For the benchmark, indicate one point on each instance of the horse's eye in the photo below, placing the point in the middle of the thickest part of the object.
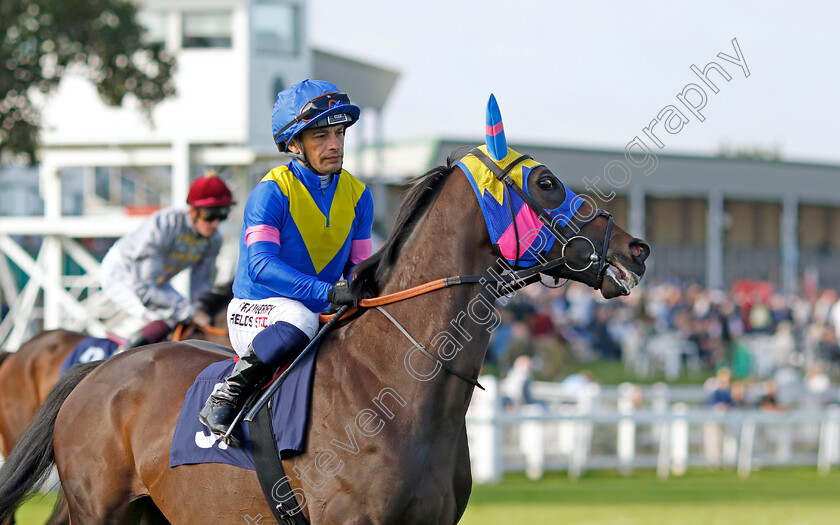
(546, 183)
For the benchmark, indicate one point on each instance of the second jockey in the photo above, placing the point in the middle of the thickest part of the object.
(136, 271)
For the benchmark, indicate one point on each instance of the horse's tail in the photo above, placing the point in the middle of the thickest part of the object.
(30, 461)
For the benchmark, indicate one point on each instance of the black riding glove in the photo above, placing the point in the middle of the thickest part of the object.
(340, 294)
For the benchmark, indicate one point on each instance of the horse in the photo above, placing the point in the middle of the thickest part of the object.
(386, 439)
(28, 375)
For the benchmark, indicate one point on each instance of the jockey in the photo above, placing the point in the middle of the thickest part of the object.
(306, 225)
(136, 271)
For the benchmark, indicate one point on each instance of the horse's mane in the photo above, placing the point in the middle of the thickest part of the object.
(421, 192)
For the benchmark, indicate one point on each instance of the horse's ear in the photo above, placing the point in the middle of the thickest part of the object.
(495, 131)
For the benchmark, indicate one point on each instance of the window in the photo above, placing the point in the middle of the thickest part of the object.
(154, 22)
(275, 28)
(102, 183)
(208, 29)
(72, 193)
(127, 191)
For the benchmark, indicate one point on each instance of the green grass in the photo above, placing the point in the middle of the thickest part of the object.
(608, 372)
(767, 497)
(613, 373)
(36, 510)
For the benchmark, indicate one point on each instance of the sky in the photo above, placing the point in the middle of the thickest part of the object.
(595, 74)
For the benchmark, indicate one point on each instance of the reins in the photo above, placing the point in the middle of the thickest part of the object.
(184, 330)
(506, 284)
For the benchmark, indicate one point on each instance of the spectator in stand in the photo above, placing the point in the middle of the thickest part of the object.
(500, 338)
(784, 344)
(577, 382)
(828, 349)
(768, 401)
(516, 386)
(738, 394)
(817, 386)
(727, 327)
(720, 397)
(602, 338)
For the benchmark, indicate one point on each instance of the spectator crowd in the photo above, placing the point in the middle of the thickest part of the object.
(740, 337)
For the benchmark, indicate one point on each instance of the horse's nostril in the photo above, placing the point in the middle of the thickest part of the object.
(640, 250)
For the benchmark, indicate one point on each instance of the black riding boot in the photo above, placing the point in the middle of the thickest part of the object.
(227, 399)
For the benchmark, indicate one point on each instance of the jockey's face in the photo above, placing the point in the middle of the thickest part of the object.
(205, 225)
(322, 147)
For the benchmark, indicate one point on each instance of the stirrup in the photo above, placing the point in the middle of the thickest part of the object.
(227, 435)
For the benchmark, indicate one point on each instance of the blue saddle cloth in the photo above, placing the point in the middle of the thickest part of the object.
(192, 443)
(89, 349)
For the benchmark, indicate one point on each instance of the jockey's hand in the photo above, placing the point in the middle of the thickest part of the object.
(340, 294)
(202, 318)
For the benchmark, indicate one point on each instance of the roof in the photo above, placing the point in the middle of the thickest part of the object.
(672, 175)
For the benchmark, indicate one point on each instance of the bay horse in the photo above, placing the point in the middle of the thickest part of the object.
(28, 375)
(386, 438)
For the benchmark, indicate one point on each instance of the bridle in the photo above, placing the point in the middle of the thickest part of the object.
(551, 224)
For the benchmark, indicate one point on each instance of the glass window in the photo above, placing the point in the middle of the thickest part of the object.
(155, 24)
(72, 190)
(152, 197)
(127, 191)
(102, 183)
(275, 28)
(208, 29)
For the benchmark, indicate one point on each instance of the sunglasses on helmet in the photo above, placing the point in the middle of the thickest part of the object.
(315, 107)
(213, 214)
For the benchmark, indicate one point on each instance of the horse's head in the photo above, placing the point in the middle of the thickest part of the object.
(534, 220)
(597, 252)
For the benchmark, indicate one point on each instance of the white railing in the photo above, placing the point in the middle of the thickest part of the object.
(581, 436)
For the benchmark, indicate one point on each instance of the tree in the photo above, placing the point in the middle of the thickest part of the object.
(42, 40)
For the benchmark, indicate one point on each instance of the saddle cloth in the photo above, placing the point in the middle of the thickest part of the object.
(192, 442)
(89, 349)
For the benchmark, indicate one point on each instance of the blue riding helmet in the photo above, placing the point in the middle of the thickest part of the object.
(311, 103)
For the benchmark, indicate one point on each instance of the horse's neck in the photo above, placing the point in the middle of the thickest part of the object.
(449, 240)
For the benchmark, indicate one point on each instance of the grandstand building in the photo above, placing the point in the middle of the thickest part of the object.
(709, 220)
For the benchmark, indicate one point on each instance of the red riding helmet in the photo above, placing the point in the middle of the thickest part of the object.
(209, 191)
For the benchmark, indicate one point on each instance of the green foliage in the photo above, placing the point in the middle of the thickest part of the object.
(44, 39)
